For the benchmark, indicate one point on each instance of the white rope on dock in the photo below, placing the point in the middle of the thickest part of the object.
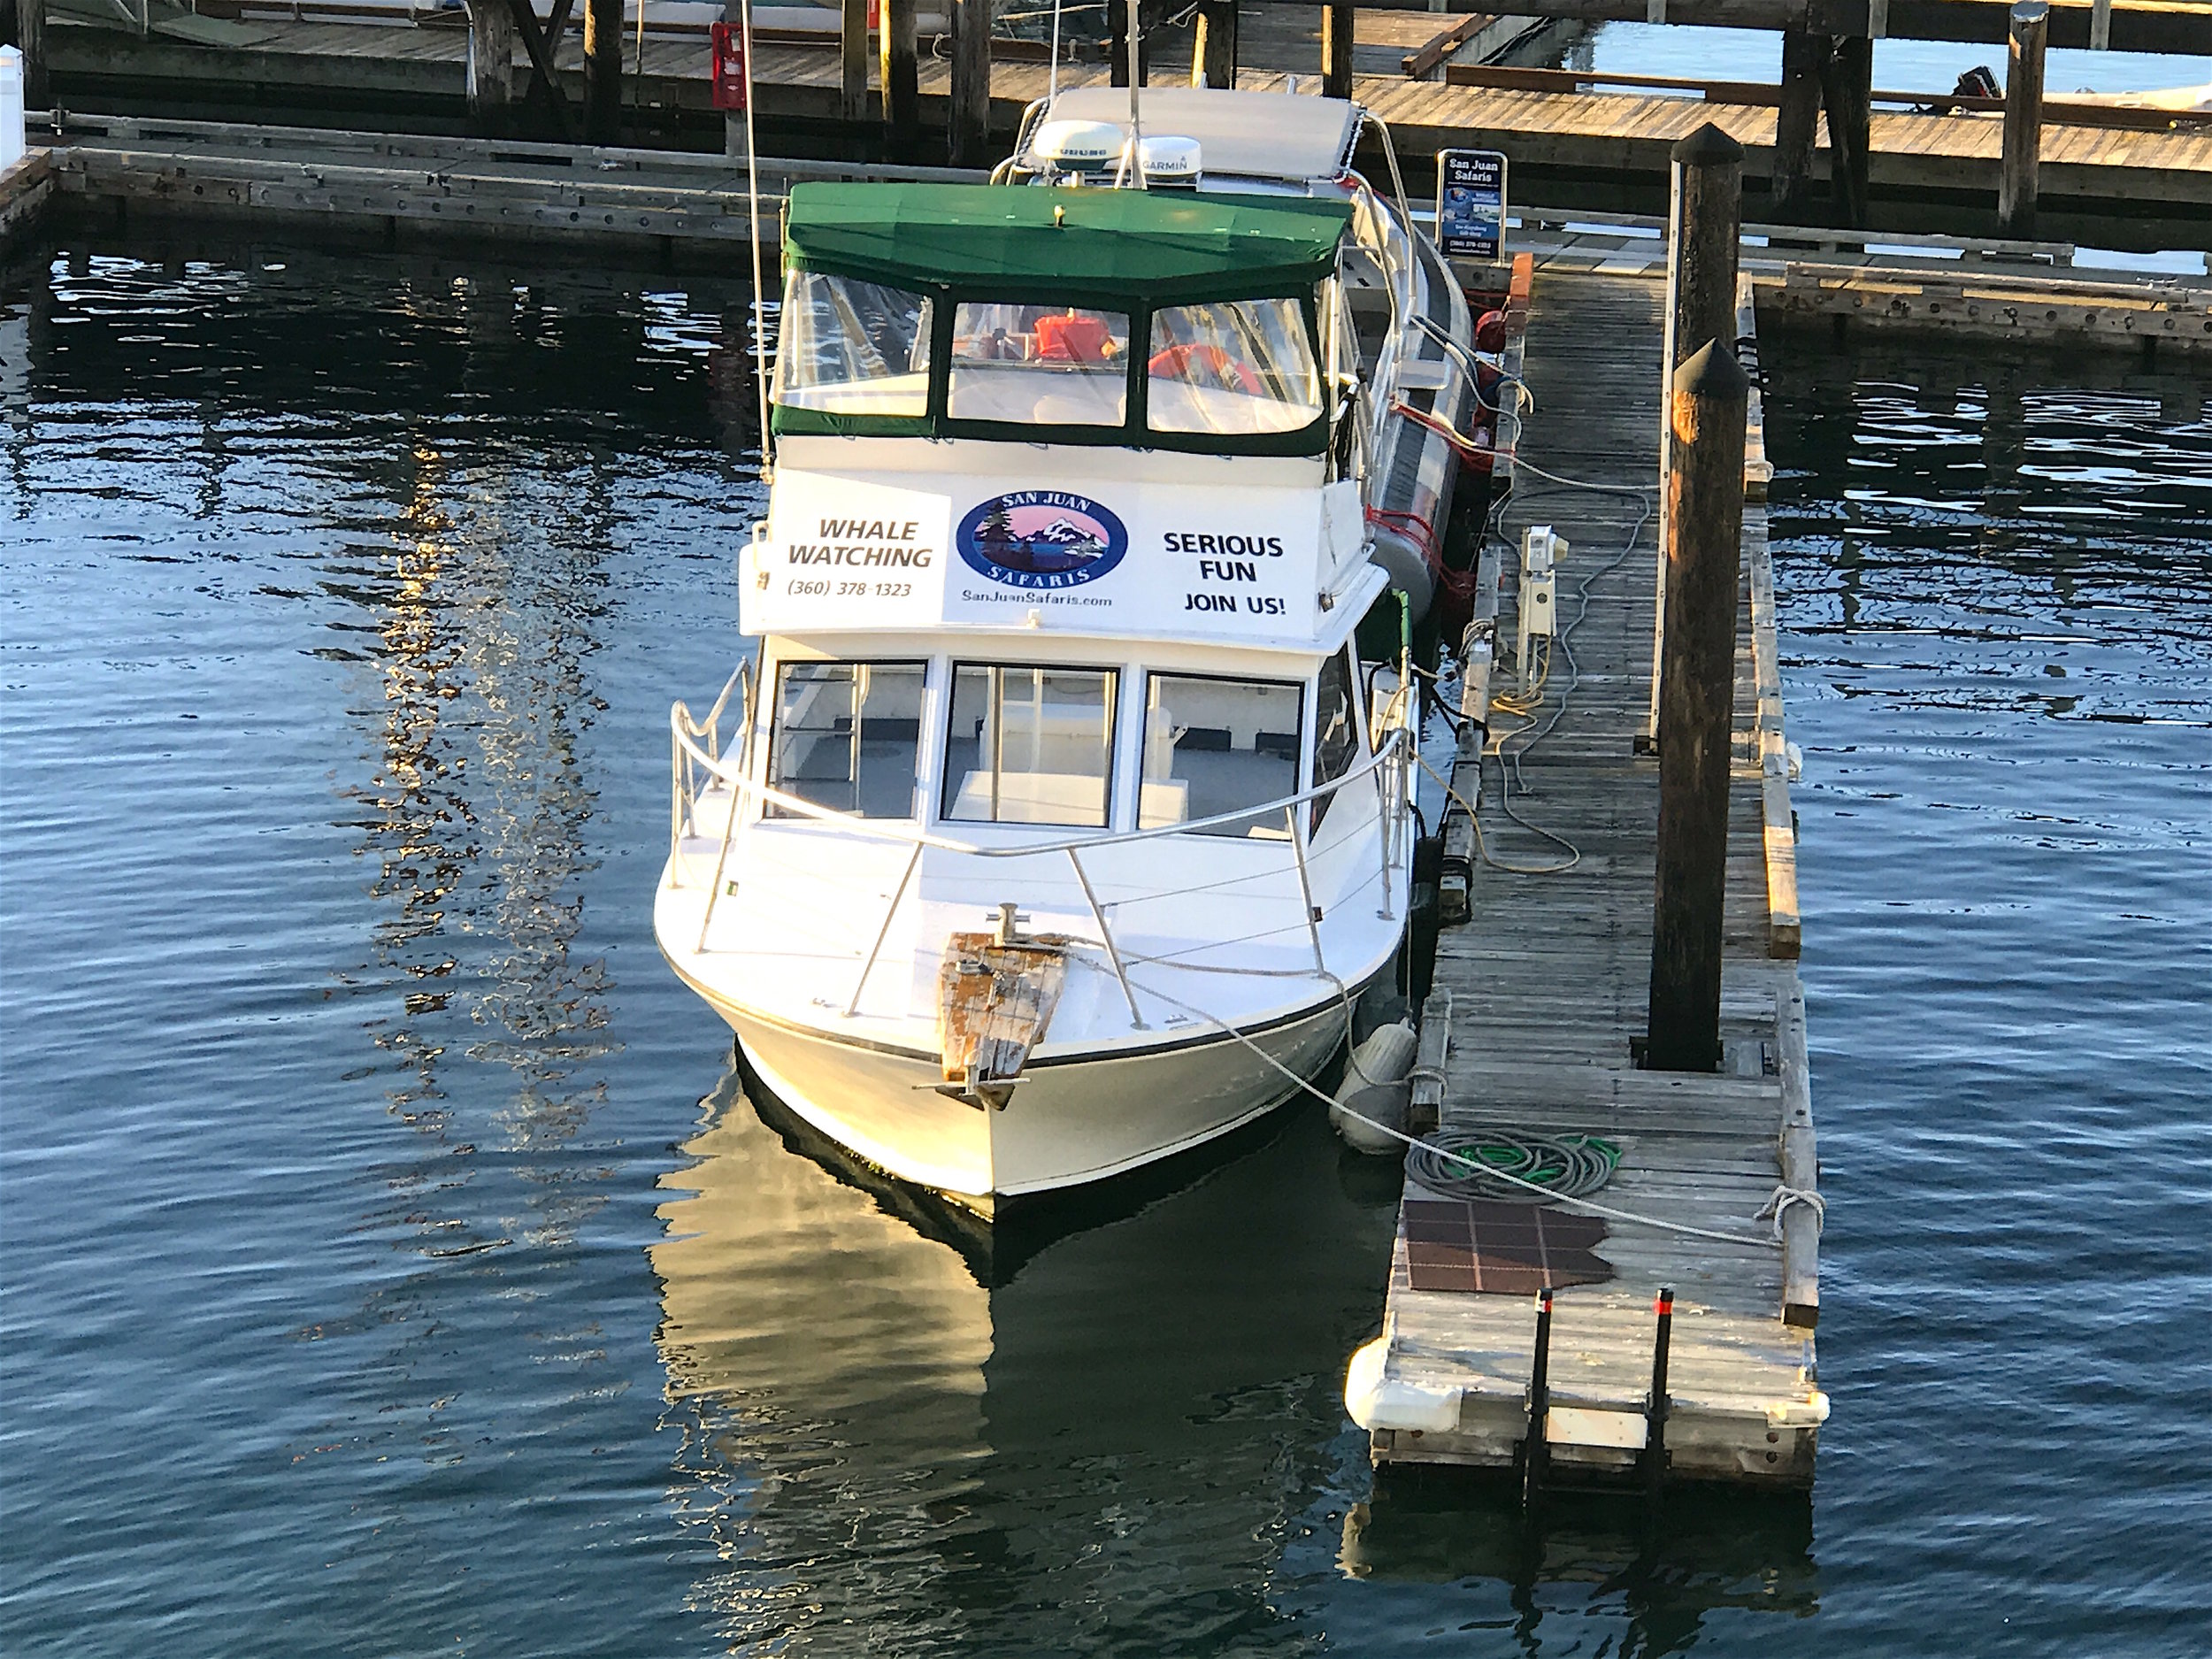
(1782, 1197)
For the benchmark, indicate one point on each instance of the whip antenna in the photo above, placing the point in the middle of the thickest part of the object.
(1052, 79)
(752, 183)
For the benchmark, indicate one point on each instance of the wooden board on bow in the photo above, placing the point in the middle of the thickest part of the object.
(994, 1002)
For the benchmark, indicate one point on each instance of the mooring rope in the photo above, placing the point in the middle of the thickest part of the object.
(1590, 1205)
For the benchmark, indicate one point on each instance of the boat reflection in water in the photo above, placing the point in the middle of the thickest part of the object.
(1121, 1428)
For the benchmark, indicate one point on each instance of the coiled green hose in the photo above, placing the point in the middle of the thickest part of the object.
(1564, 1166)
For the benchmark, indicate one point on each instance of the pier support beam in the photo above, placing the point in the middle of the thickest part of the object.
(965, 133)
(491, 83)
(603, 71)
(1336, 50)
(1697, 684)
(902, 84)
(29, 37)
(1213, 60)
(852, 61)
(1704, 230)
(1797, 124)
(1847, 89)
(2023, 119)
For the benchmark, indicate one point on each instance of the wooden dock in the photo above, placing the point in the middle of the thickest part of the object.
(1544, 988)
(1606, 149)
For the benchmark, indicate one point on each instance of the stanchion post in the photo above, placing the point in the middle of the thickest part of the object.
(2023, 119)
(902, 78)
(1655, 1413)
(965, 133)
(1534, 1453)
(1704, 229)
(1697, 683)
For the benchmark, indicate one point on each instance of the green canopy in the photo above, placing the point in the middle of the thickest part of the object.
(1166, 247)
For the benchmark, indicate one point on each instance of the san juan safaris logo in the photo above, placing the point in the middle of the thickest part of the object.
(1041, 539)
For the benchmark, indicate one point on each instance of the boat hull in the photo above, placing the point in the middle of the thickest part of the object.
(1072, 1119)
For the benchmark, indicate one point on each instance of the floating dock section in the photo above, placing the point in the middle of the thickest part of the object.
(1541, 992)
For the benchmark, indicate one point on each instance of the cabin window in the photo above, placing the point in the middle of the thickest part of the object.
(1236, 366)
(852, 348)
(1038, 365)
(1335, 727)
(846, 737)
(1030, 745)
(1212, 746)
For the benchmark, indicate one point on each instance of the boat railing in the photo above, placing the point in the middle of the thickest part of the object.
(695, 756)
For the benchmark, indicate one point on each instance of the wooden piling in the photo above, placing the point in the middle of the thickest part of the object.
(2023, 119)
(852, 61)
(969, 117)
(1213, 60)
(1129, 45)
(1805, 55)
(1697, 683)
(1848, 90)
(603, 71)
(30, 40)
(1336, 50)
(900, 73)
(491, 82)
(1704, 228)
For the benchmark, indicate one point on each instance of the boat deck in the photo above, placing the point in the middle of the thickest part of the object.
(1545, 985)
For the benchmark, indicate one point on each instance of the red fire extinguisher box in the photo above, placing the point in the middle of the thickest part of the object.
(729, 66)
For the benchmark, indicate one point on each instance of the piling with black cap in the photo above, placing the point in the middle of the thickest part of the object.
(1533, 1454)
(1697, 686)
(1655, 1412)
(1704, 227)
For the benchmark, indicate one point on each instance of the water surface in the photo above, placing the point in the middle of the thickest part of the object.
(391, 1264)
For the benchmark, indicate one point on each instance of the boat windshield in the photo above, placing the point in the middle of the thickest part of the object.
(1211, 746)
(1045, 366)
(852, 348)
(1233, 366)
(846, 736)
(1030, 745)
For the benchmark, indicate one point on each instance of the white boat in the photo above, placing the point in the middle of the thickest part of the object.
(1067, 812)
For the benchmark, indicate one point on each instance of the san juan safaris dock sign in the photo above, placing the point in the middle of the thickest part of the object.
(1041, 539)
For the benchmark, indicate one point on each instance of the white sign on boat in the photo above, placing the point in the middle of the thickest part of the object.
(1230, 565)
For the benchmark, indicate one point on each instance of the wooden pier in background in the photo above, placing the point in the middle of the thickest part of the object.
(1543, 989)
(1819, 148)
